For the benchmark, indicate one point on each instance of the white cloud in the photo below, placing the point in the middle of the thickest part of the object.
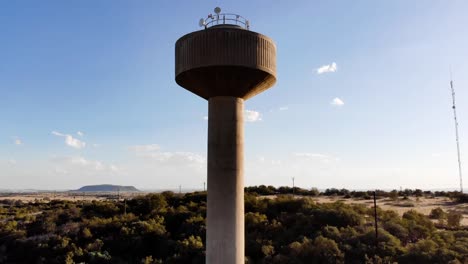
(114, 168)
(205, 118)
(79, 133)
(283, 108)
(74, 143)
(337, 102)
(327, 68)
(70, 140)
(252, 116)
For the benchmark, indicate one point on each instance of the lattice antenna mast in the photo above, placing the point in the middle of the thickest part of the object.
(456, 133)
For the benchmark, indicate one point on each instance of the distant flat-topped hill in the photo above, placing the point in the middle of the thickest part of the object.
(107, 188)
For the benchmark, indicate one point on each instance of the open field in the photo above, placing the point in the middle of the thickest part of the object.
(422, 205)
(68, 196)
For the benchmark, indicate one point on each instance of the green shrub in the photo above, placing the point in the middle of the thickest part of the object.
(454, 218)
(437, 213)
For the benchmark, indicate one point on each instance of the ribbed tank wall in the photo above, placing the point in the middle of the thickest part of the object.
(225, 47)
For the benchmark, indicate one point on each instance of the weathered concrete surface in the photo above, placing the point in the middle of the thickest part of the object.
(225, 212)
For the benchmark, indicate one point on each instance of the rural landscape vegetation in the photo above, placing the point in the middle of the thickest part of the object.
(309, 226)
(369, 97)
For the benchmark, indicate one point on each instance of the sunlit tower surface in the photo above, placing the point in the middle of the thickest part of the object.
(226, 64)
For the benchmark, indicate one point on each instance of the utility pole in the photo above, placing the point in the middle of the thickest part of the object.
(293, 186)
(376, 227)
(204, 184)
(180, 189)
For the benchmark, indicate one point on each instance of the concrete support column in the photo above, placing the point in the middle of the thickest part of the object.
(225, 212)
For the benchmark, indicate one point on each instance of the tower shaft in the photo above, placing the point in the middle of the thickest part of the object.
(225, 212)
(456, 136)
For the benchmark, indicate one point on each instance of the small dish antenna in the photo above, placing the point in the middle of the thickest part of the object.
(217, 10)
(201, 23)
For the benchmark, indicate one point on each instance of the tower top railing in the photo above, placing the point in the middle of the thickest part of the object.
(224, 19)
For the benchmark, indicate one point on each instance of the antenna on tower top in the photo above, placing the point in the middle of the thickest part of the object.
(456, 131)
(201, 23)
(224, 19)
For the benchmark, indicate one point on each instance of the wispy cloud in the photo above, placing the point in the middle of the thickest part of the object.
(337, 102)
(78, 163)
(55, 133)
(79, 133)
(144, 148)
(153, 151)
(316, 156)
(17, 141)
(283, 108)
(252, 116)
(327, 68)
(70, 140)
(154, 162)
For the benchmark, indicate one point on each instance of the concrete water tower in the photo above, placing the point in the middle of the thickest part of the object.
(225, 63)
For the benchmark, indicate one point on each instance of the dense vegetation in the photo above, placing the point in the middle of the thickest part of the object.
(170, 228)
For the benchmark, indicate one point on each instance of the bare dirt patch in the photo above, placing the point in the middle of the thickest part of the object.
(422, 205)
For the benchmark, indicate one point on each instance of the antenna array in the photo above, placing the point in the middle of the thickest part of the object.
(456, 135)
(227, 18)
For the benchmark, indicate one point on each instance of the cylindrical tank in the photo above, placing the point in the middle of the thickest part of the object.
(225, 61)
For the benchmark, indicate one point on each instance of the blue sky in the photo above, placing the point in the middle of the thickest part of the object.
(106, 69)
